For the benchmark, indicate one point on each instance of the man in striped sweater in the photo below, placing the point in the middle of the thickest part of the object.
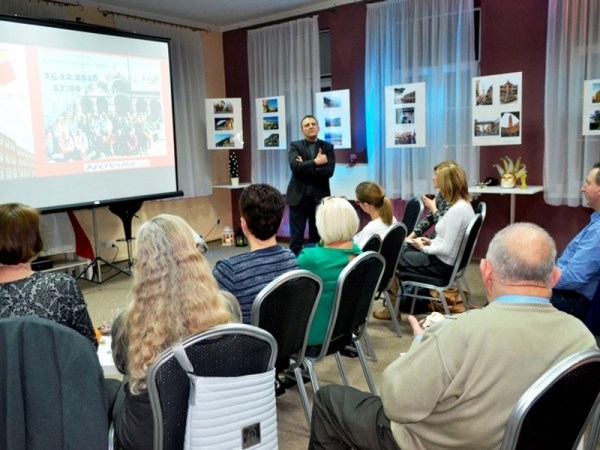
(261, 210)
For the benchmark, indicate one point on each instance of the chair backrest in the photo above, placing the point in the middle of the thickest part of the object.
(354, 293)
(47, 371)
(468, 243)
(412, 212)
(481, 208)
(373, 244)
(285, 308)
(554, 411)
(390, 250)
(231, 350)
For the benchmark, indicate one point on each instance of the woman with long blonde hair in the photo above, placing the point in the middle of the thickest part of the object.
(437, 256)
(173, 296)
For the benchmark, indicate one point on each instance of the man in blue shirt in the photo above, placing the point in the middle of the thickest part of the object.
(244, 275)
(580, 262)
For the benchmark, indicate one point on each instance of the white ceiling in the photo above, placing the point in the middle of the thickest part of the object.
(219, 15)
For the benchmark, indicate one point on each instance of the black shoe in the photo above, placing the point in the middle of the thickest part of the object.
(279, 387)
(349, 351)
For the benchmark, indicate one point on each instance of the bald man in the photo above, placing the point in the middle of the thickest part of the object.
(458, 383)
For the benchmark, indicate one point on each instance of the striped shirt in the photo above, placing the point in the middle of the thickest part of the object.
(246, 274)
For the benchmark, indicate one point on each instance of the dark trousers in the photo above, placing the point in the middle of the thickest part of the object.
(299, 215)
(344, 418)
(571, 302)
(412, 260)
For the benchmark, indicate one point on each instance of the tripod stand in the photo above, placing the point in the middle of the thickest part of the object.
(98, 259)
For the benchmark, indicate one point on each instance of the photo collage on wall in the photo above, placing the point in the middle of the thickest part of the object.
(405, 115)
(333, 114)
(270, 123)
(224, 123)
(591, 108)
(496, 106)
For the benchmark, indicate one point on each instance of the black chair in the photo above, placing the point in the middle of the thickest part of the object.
(555, 410)
(481, 209)
(355, 290)
(414, 284)
(285, 308)
(412, 213)
(461, 279)
(390, 250)
(53, 389)
(373, 244)
(232, 350)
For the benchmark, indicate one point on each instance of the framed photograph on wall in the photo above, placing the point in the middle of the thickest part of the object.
(496, 109)
(333, 113)
(270, 123)
(591, 108)
(405, 115)
(224, 123)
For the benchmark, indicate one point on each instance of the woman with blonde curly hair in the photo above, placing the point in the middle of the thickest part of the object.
(173, 296)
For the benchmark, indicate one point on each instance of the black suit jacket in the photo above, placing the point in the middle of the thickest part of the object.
(307, 172)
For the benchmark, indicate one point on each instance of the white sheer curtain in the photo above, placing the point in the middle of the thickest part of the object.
(189, 92)
(282, 60)
(572, 56)
(34, 9)
(411, 41)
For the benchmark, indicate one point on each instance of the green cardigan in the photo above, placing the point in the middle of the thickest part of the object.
(327, 263)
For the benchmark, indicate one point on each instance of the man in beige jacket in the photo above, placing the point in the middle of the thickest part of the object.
(456, 386)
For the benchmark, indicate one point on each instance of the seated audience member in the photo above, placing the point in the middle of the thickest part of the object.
(371, 198)
(173, 296)
(23, 292)
(580, 261)
(337, 222)
(437, 206)
(261, 211)
(437, 256)
(461, 378)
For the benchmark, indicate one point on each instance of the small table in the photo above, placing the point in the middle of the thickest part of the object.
(106, 359)
(517, 190)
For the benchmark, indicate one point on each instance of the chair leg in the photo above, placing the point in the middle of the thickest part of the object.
(461, 291)
(593, 437)
(365, 367)
(310, 368)
(340, 364)
(393, 313)
(303, 396)
(370, 351)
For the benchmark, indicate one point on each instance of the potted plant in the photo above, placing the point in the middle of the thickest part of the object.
(234, 169)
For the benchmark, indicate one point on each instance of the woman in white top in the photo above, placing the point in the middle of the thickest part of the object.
(371, 198)
(436, 256)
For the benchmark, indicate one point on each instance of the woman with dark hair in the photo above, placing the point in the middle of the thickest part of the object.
(371, 198)
(23, 292)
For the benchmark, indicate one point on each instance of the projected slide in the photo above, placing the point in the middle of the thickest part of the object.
(85, 108)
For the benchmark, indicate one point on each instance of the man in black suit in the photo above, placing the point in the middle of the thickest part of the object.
(312, 162)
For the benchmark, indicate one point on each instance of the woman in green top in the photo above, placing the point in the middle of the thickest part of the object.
(337, 223)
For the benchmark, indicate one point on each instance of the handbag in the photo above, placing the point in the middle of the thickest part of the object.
(229, 413)
(453, 299)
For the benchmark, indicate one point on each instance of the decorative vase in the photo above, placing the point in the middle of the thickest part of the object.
(234, 169)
